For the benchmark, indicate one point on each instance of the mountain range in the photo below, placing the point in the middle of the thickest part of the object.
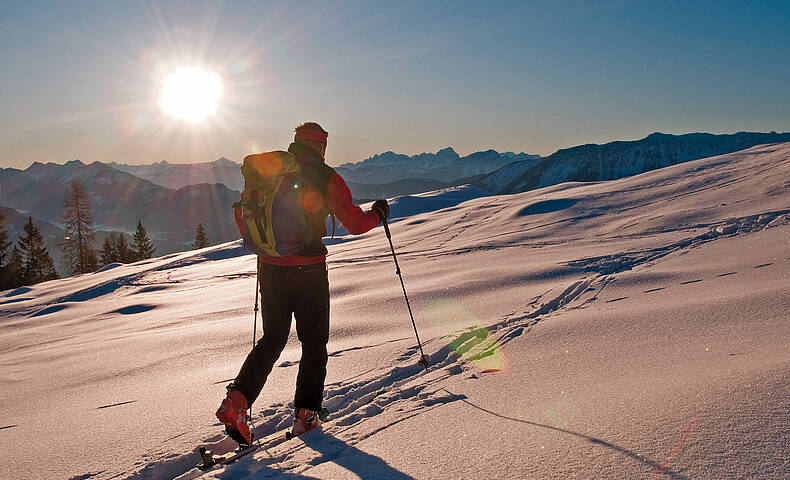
(610, 161)
(180, 175)
(443, 166)
(119, 199)
(384, 175)
(171, 199)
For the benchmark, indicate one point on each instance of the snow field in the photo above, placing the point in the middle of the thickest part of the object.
(627, 329)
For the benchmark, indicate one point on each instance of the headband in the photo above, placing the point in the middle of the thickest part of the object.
(310, 134)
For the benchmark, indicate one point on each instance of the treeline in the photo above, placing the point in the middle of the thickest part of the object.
(29, 261)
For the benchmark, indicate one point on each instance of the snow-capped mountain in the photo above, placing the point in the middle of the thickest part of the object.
(180, 175)
(588, 163)
(383, 175)
(363, 191)
(445, 166)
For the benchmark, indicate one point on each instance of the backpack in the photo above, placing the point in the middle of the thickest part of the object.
(284, 205)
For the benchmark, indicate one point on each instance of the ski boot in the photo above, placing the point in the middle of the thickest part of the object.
(304, 420)
(233, 413)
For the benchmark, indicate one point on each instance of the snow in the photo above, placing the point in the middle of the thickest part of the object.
(628, 329)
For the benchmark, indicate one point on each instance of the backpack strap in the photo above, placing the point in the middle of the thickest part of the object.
(263, 175)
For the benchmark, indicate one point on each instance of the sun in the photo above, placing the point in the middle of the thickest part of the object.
(191, 94)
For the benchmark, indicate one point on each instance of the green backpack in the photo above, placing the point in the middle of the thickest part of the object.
(283, 209)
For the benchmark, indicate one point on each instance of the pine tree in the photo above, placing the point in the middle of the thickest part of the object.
(48, 271)
(5, 263)
(4, 243)
(108, 252)
(12, 274)
(201, 240)
(141, 246)
(37, 264)
(122, 249)
(79, 239)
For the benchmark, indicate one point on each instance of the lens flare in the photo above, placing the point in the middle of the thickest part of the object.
(475, 344)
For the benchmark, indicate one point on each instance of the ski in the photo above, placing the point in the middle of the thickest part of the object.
(210, 460)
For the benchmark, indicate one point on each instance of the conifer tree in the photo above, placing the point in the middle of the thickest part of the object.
(108, 252)
(122, 249)
(4, 243)
(37, 264)
(5, 274)
(48, 270)
(79, 239)
(12, 274)
(141, 246)
(201, 239)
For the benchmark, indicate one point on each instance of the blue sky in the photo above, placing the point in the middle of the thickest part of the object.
(79, 79)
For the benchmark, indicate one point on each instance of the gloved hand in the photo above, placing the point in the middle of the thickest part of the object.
(381, 207)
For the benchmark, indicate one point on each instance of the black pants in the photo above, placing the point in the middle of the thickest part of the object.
(303, 292)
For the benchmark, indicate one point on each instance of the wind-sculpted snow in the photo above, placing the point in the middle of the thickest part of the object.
(619, 159)
(627, 329)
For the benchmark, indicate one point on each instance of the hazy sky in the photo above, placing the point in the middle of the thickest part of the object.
(80, 79)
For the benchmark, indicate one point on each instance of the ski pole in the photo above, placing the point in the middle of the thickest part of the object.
(255, 310)
(255, 316)
(423, 359)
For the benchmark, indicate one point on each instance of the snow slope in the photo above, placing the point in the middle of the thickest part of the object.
(629, 329)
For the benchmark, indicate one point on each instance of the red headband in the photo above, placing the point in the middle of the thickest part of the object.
(310, 134)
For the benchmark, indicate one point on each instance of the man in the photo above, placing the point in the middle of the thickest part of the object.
(293, 278)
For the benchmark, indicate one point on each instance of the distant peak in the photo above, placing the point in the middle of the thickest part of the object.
(74, 163)
(658, 135)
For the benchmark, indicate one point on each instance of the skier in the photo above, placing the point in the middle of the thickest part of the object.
(293, 275)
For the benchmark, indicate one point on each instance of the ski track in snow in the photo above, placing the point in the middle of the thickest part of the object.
(405, 389)
(402, 390)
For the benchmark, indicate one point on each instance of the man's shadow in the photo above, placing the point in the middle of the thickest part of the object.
(362, 464)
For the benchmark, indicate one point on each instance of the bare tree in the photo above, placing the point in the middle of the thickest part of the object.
(79, 238)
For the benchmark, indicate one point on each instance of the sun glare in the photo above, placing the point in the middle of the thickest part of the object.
(191, 94)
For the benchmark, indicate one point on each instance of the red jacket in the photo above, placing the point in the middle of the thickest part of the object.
(351, 216)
